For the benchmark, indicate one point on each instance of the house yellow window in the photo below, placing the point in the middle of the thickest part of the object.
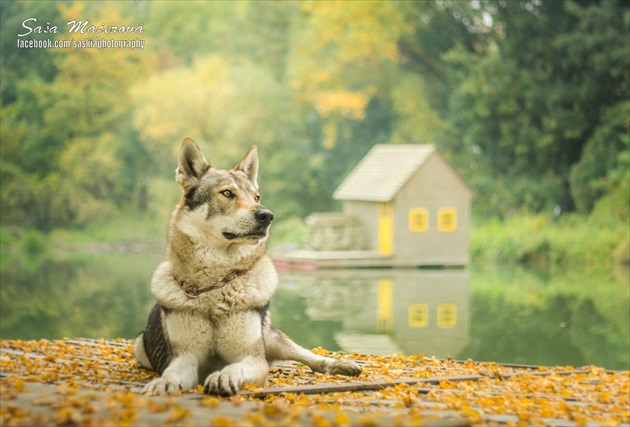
(418, 315)
(447, 219)
(446, 315)
(418, 220)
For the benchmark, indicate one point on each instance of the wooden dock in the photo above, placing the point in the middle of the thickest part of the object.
(95, 382)
(306, 260)
(309, 260)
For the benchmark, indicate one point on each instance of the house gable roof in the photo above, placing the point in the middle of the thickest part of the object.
(383, 172)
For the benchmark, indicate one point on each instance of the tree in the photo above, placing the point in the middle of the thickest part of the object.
(62, 137)
(532, 99)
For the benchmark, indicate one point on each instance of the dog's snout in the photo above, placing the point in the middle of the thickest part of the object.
(264, 216)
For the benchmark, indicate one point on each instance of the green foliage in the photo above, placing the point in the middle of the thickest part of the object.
(529, 100)
(18, 65)
(604, 164)
(33, 243)
(63, 130)
(544, 98)
(539, 240)
(290, 230)
(7, 239)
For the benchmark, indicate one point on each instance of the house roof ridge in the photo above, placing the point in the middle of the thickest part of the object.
(383, 171)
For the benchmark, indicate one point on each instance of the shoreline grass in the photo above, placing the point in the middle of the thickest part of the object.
(541, 240)
(536, 241)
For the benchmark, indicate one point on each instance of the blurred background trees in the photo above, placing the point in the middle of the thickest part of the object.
(528, 99)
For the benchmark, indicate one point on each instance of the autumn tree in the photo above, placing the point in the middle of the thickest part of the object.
(65, 138)
(528, 99)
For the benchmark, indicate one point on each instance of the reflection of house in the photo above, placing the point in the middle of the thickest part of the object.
(414, 207)
(393, 311)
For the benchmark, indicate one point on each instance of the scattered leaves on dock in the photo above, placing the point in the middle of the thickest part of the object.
(98, 382)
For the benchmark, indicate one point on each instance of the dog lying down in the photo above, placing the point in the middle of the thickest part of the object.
(211, 322)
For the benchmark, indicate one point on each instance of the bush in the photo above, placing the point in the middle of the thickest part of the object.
(33, 243)
(539, 240)
(290, 230)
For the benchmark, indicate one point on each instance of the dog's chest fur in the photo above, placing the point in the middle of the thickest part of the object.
(204, 325)
(253, 289)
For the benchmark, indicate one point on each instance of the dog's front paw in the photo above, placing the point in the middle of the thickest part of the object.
(349, 368)
(160, 386)
(221, 383)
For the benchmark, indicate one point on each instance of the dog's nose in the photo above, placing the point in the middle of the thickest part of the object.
(264, 216)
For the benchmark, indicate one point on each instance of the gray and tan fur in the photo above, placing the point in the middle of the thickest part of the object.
(223, 337)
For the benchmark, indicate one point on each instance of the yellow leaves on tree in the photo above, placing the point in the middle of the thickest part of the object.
(345, 56)
(222, 105)
(342, 101)
(359, 32)
(85, 110)
(184, 101)
(340, 55)
(91, 83)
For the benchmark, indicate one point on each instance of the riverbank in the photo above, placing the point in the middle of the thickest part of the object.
(537, 241)
(544, 241)
(598, 239)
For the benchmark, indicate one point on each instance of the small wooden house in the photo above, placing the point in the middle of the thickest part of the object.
(415, 209)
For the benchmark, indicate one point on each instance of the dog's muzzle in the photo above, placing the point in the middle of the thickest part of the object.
(263, 219)
(264, 216)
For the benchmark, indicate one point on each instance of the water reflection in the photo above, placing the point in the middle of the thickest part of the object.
(98, 296)
(575, 317)
(511, 315)
(390, 311)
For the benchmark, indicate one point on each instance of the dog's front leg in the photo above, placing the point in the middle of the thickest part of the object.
(181, 374)
(229, 380)
(239, 343)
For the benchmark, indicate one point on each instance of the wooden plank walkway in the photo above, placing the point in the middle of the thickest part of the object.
(310, 260)
(391, 389)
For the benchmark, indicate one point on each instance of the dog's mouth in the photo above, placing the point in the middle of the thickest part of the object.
(246, 236)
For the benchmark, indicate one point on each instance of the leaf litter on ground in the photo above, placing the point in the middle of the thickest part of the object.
(99, 381)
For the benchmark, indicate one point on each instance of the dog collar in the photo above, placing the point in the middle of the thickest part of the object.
(192, 291)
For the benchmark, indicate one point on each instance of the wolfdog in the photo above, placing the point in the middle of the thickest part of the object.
(211, 322)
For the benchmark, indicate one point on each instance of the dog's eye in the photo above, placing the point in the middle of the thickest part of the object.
(227, 193)
(257, 198)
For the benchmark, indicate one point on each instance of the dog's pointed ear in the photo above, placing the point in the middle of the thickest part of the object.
(191, 164)
(249, 165)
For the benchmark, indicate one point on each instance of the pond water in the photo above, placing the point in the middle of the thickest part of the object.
(510, 315)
